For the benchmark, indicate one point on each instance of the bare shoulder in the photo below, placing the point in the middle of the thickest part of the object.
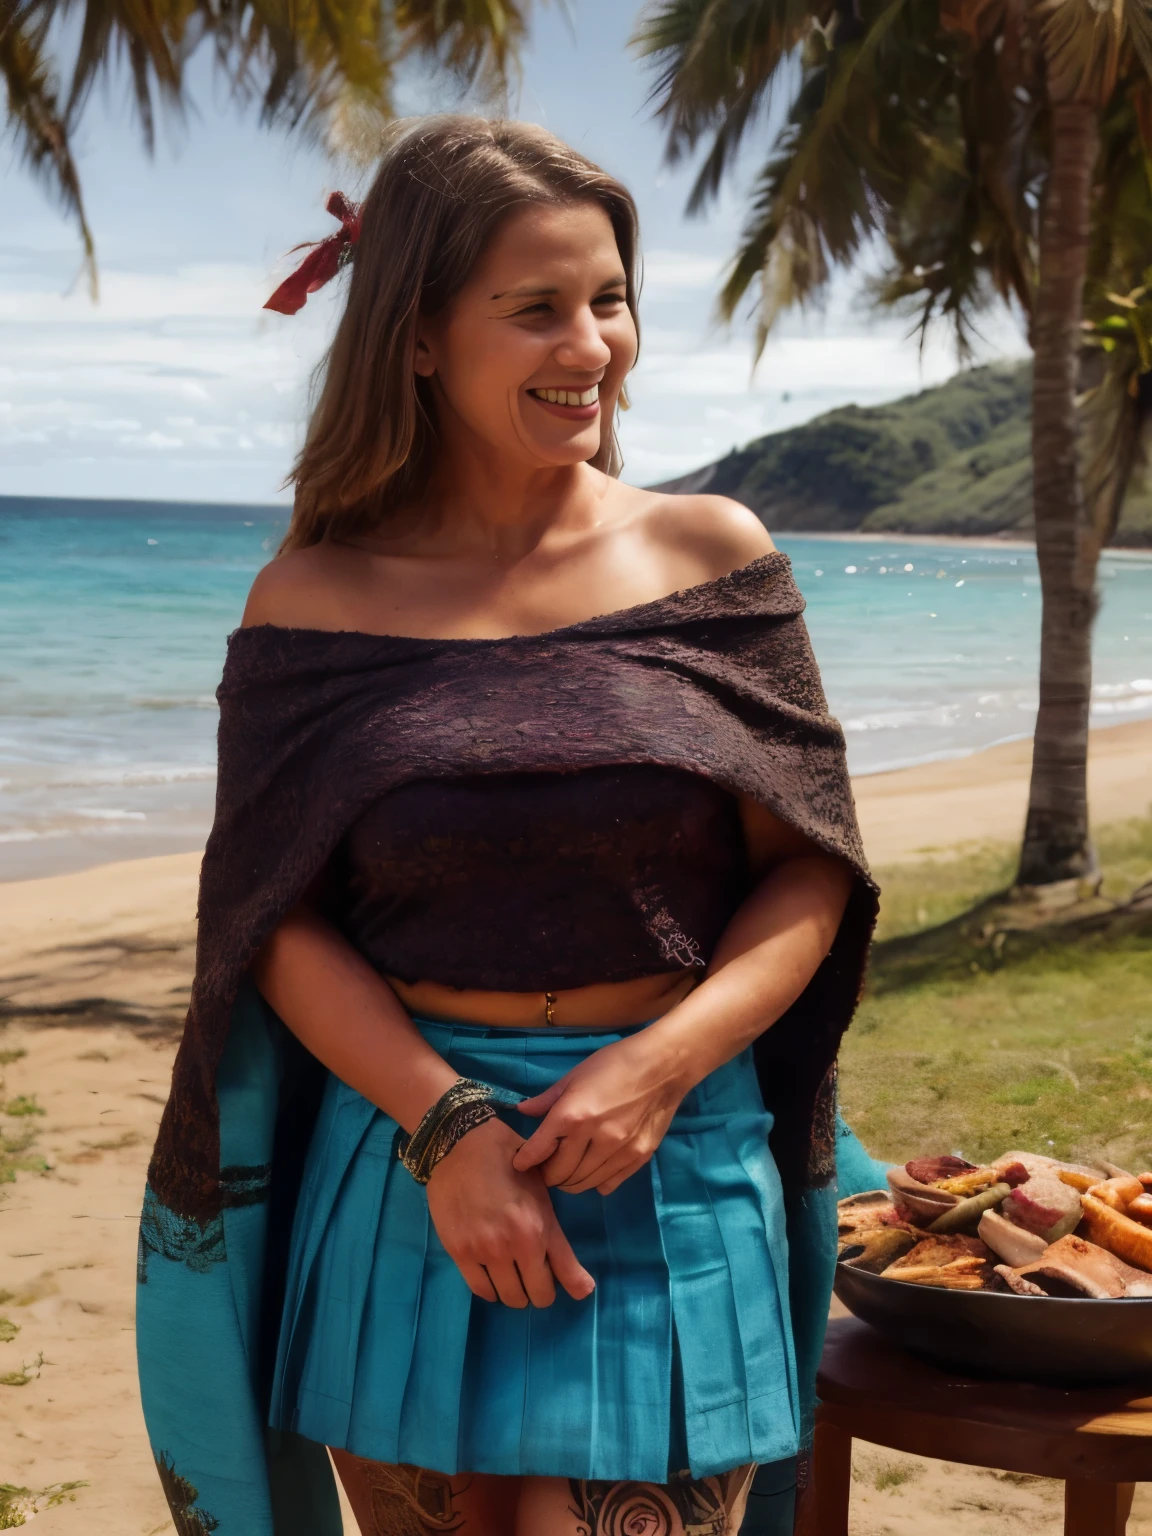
(296, 590)
(716, 534)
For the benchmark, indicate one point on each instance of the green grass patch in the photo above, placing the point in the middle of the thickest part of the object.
(18, 1504)
(982, 1042)
(893, 1475)
(8, 1330)
(924, 895)
(7, 1057)
(26, 1373)
(23, 1104)
(16, 1156)
(933, 891)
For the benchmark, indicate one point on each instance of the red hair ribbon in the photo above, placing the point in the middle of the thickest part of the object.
(323, 261)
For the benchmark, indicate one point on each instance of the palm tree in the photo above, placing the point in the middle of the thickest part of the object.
(988, 146)
(1087, 52)
(321, 66)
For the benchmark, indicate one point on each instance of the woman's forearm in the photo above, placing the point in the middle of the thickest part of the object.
(766, 956)
(348, 1016)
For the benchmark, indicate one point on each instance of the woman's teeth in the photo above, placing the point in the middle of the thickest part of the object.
(568, 396)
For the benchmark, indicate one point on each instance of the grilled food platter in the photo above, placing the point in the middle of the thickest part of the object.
(1026, 1267)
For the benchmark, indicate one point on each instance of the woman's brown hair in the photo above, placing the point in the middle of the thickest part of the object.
(443, 186)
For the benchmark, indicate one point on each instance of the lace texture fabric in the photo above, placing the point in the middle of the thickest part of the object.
(718, 681)
(543, 881)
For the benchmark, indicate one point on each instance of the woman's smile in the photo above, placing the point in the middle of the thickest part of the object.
(572, 404)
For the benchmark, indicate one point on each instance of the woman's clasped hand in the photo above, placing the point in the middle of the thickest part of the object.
(490, 1204)
(603, 1120)
(497, 1223)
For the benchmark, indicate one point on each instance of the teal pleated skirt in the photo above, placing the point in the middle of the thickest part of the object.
(681, 1359)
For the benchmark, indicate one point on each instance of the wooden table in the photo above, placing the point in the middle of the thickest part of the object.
(1097, 1439)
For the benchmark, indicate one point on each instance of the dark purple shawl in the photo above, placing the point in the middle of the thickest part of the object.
(718, 679)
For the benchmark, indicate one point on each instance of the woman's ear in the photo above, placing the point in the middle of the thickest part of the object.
(423, 362)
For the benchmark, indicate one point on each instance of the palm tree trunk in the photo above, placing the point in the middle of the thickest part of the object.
(1057, 843)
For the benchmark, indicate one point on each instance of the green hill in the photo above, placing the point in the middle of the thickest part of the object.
(950, 460)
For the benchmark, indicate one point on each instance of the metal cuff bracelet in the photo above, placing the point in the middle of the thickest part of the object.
(467, 1104)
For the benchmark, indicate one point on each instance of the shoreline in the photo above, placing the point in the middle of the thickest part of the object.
(905, 814)
(963, 754)
(42, 855)
(1137, 552)
(951, 803)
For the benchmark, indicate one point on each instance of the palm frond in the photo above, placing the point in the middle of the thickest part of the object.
(818, 198)
(315, 65)
(324, 67)
(1116, 414)
(35, 118)
(143, 34)
(715, 63)
(1115, 426)
(1087, 45)
(963, 222)
(479, 40)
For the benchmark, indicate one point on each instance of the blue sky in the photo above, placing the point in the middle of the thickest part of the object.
(176, 385)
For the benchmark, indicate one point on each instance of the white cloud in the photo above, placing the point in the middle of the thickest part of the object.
(174, 385)
(178, 385)
(215, 291)
(669, 272)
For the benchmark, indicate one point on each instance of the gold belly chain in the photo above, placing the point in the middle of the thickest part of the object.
(549, 1007)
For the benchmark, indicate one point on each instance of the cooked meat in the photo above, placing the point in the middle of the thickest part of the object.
(860, 1213)
(1008, 1241)
(950, 1278)
(926, 1170)
(954, 1262)
(1118, 1192)
(1017, 1283)
(1075, 1174)
(1119, 1233)
(945, 1249)
(1044, 1205)
(918, 1201)
(875, 1250)
(967, 1184)
(1074, 1267)
(1012, 1173)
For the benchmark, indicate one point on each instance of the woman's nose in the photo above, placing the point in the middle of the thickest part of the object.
(582, 345)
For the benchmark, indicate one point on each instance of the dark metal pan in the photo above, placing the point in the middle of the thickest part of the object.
(1075, 1342)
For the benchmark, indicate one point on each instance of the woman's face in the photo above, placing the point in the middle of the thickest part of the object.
(531, 355)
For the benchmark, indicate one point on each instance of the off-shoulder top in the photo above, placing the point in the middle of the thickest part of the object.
(316, 728)
(525, 882)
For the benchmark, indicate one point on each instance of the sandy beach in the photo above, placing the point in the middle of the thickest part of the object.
(94, 973)
(941, 807)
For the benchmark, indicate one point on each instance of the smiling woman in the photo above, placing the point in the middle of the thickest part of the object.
(538, 237)
(532, 914)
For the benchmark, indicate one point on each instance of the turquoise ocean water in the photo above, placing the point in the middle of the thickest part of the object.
(113, 621)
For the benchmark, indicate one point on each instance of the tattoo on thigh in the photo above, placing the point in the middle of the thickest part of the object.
(687, 1506)
(409, 1501)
